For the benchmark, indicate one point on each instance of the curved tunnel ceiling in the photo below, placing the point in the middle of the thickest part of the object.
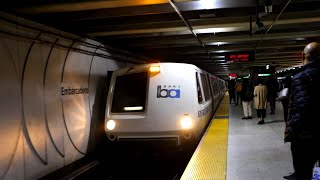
(153, 28)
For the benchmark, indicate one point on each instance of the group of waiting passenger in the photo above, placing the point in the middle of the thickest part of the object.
(264, 91)
(300, 111)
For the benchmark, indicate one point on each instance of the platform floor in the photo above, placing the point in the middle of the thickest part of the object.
(257, 152)
(252, 151)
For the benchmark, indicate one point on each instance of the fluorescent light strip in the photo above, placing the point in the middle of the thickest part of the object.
(217, 43)
(264, 75)
(136, 108)
(220, 60)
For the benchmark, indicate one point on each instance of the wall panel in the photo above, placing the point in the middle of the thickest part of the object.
(10, 111)
(41, 128)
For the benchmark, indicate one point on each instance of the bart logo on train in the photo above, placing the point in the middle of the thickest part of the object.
(168, 93)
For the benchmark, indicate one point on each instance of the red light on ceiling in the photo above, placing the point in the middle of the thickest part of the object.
(240, 56)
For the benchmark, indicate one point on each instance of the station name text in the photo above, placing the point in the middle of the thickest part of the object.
(72, 91)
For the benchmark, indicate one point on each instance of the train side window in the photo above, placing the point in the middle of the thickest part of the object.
(200, 98)
(215, 87)
(209, 85)
(205, 87)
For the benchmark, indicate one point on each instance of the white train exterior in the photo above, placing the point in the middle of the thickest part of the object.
(163, 101)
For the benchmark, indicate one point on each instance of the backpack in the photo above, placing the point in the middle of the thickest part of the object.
(238, 87)
(249, 93)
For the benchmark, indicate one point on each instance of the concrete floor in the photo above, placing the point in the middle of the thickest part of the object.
(257, 152)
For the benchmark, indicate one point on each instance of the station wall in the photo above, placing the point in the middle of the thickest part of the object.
(48, 94)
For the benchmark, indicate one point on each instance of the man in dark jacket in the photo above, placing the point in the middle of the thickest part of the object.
(247, 98)
(303, 123)
(273, 87)
(232, 91)
(285, 101)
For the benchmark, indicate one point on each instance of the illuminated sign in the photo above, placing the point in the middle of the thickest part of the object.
(267, 66)
(264, 75)
(233, 75)
(240, 56)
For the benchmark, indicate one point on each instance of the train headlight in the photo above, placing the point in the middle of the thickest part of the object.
(111, 124)
(154, 69)
(186, 122)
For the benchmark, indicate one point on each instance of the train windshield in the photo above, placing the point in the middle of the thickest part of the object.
(130, 93)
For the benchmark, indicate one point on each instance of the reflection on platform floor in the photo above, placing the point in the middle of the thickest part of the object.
(257, 152)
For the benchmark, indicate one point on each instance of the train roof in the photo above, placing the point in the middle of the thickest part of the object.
(140, 66)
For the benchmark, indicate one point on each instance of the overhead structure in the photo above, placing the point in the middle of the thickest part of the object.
(199, 32)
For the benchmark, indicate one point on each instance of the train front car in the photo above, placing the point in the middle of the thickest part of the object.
(154, 102)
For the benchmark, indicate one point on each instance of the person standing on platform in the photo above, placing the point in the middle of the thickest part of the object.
(303, 123)
(238, 88)
(260, 100)
(231, 91)
(247, 97)
(285, 104)
(273, 87)
(285, 101)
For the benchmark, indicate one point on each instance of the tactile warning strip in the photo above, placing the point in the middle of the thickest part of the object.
(209, 161)
(223, 109)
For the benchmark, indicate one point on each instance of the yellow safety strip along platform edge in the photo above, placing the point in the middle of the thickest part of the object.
(209, 161)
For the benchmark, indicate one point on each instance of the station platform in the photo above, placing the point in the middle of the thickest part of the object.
(233, 148)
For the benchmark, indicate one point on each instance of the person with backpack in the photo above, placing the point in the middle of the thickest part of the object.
(247, 98)
(238, 88)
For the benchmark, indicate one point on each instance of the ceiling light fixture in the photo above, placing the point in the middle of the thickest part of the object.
(220, 60)
(209, 4)
(215, 30)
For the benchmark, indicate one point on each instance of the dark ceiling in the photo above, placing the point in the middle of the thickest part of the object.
(191, 31)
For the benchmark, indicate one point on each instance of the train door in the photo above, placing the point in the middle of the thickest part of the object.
(206, 104)
(209, 78)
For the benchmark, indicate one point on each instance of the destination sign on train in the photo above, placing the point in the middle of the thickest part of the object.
(240, 56)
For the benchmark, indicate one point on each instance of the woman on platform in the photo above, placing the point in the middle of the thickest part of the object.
(260, 100)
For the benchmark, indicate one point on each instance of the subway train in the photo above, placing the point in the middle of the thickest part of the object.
(161, 101)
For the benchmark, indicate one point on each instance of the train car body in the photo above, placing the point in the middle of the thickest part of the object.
(163, 101)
